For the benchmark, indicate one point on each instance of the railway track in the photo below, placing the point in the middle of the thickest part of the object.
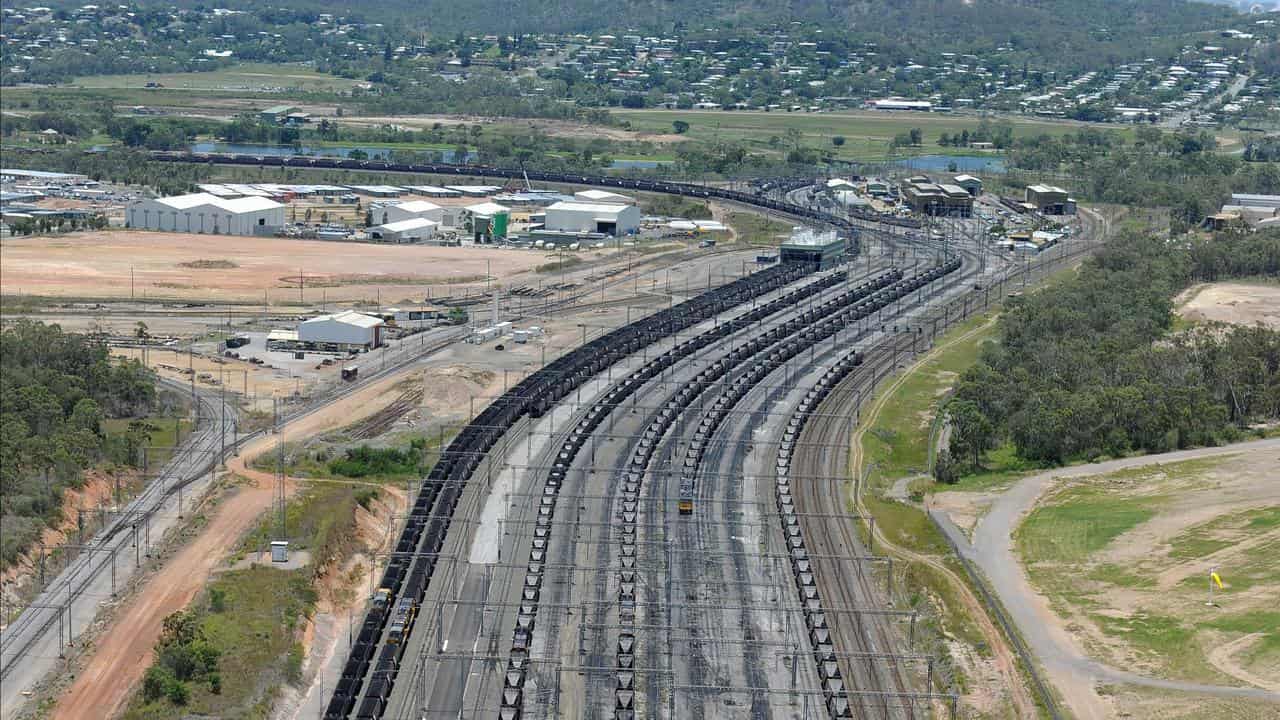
(376, 657)
(372, 667)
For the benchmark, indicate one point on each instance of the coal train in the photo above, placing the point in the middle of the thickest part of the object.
(414, 559)
(824, 653)
(572, 445)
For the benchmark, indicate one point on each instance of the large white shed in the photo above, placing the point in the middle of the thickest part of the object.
(411, 210)
(581, 217)
(405, 231)
(345, 329)
(206, 213)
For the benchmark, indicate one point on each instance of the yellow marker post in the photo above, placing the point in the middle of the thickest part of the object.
(1214, 579)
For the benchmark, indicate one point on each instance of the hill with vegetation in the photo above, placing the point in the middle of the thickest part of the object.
(58, 392)
(1075, 33)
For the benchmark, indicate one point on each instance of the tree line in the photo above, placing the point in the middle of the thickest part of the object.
(1183, 171)
(56, 391)
(1090, 368)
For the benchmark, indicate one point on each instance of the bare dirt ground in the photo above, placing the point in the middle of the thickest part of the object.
(1113, 640)
(123, 653)
(1201, 521)
(256, 383)
(1230, 302)
(114, 264)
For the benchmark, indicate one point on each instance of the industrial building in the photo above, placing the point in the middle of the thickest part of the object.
(486, 220)
(1257, 212)
(275, 114)
(604, 218)
(205, 213)
(602, 196)
(411, 210)
(971, 184)
(1050, 200)
(930, 198)
(810, 246)
(347, 330)
(412, 230)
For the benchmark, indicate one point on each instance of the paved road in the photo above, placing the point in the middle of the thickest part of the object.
(30, 646)
(1067, 665)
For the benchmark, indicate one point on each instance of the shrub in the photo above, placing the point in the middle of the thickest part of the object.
(155, 682)
(177, 692)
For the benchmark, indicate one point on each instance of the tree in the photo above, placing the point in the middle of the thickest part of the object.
(916, 136)
(944, 468)
(838, 141)
(680, 126)
(971, 431)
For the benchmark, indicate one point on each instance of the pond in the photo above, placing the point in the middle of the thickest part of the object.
(961, 163)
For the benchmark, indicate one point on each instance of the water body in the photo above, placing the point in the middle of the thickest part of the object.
(962, 163)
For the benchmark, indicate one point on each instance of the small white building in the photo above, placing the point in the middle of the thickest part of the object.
(344, 330)
(408, 211)
(606, 218)
(206, 213)
(405, 231)
(603, 196)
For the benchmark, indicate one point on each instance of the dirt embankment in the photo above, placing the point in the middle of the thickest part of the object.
(124, 651)
(341, 603)
(82, 512)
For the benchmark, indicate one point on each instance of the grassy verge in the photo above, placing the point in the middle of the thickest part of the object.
(338, 458)
(898, 442)
(756, 229)
(165, 432)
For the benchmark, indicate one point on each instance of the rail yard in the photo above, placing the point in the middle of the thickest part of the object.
(657, 523)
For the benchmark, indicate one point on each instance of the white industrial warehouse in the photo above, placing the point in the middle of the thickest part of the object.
(405, 231)
(603, 196)
(347, 330)
(411, 210)
(606, 218)
(206, 213)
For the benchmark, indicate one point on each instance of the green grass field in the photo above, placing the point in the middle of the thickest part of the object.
(247, 77)
(867, 134)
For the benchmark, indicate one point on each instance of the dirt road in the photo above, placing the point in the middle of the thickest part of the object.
(1074, 673)
(123, 654)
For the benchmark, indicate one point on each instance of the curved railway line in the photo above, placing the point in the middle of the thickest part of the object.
(373, 665)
